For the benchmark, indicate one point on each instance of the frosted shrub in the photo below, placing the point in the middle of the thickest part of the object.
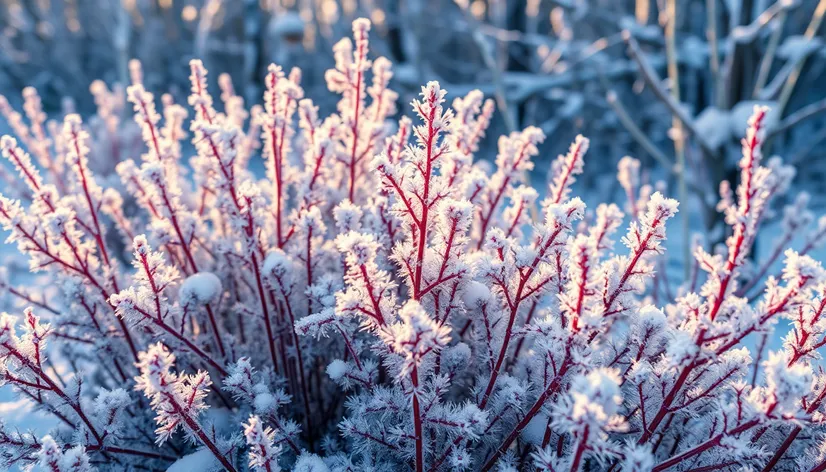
(380, 302)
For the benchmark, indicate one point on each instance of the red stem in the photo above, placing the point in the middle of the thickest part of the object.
(580, 450)
(567, 171)
(700, 448)
(514, 309)
(417, 279)
(537, 406)
(498, 196)
(265, 309)
(199, 432)
(188, 253)
(29, 299)
(417, 421)
(355, 127)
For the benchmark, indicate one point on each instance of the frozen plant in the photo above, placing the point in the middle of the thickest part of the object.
(378, 301)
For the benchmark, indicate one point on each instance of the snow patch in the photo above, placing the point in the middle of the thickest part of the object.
(714, 126)
(798, 46)
(741, 113)
(475, 294)
(287, 24)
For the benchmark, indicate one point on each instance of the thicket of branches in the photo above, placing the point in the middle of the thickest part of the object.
(382, 300)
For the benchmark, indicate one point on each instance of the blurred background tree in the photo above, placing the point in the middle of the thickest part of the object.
(668, 81)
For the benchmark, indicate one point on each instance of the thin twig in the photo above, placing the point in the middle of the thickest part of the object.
(810, 146)
(797, 117)
(636, 132)
(713, 46)
(768, 57)
(653, 81)
(496, 73)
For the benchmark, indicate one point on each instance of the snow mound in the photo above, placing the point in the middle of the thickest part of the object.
(337, 369)
(276, 264)
(310, 463)
(200, 289)
(202, 460)
(475, 294)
